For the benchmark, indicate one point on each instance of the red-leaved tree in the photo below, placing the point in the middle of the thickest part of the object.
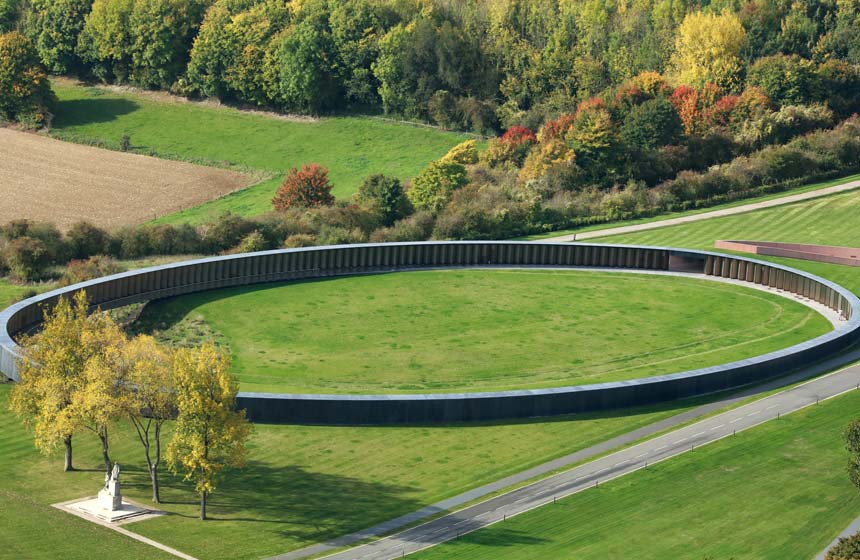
(304, 188)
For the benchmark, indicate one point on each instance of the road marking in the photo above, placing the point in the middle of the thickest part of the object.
(679, 441)
(717, 427)
(642, 455)
(659, 448)
(772, 406)
(699, 434)
(735, 420)
(753, 413)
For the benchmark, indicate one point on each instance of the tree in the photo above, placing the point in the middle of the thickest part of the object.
(100, 398)
(209, 434)
(790, 80)
(652, 124)
(52, 372)
(162, 31)
(25, 93)
(305, 68)
(105, 42)
(385, 196)
(9, 10)
(54, 26)
(304, 188)
(708, 48)
(593, 137)
(152, 402)
(433, 187)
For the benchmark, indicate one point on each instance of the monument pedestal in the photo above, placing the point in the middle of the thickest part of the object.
(109, 505)
(93, 507)
(109, 501)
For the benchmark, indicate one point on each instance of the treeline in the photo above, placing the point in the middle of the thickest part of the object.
(458, 197)
(482, 65)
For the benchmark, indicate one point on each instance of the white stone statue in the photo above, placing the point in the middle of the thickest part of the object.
(110, 497)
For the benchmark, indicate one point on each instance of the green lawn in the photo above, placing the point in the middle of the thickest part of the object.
(779, 491)
(351, 147)
(482, 329)
(303, 484)
(831, 220)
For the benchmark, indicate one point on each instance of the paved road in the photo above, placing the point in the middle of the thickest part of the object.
(707, 215)
(622, 462)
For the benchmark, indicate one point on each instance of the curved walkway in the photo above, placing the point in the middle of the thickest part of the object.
(617, 464)
(835, 189)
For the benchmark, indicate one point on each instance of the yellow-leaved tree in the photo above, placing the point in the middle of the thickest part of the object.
(708, 50)
(51, 368)
(209, 433)
(152, 402)
(102, 396)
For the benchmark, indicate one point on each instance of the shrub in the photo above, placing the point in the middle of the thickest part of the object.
(253, 242)
(87, 269)
(432, 188)
(414, 228)
(848, 548)
(85, 240)
(335, 235)
(300, 240)
(463, 153)
(304, 188)
(27, 258)
(781, 126)
(130, 243)
(225, 232)
(385, 196)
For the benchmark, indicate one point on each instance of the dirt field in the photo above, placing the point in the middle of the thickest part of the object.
(48, 180)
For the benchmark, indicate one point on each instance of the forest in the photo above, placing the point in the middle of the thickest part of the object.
(596, 110)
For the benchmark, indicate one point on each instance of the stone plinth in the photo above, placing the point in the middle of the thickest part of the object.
(93, 507)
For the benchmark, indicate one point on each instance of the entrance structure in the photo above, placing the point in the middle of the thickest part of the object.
(342, 260)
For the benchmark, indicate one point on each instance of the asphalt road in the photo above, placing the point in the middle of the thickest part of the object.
(682, 440)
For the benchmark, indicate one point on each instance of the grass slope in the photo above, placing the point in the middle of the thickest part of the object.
(778, 491)
(303, 484)
(483, 330)
(832, 220)
(351, 147)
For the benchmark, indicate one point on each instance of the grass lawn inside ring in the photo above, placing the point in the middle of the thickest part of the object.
(460, 330)
(554, 387)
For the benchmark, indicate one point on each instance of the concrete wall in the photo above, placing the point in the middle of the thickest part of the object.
(318, 262)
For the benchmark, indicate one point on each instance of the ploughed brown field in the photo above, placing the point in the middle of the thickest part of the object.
(44, 179)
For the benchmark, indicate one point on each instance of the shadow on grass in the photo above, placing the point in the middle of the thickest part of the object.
(78, 112)
(309, 506)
